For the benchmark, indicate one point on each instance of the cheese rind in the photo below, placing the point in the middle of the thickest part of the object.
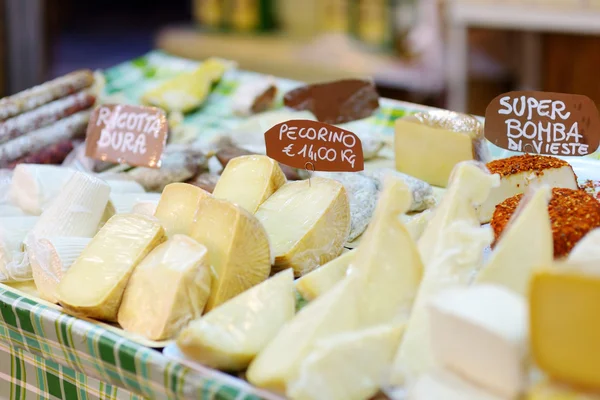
(347, 366)
(322, 279)
(167, 290)
(177, 207)
(446, 138)
(238, 248)
(480, 332)
(249, 180)
(231, 335)
(525, 244)
(13, 231)
(94, 285)
(564, 306)
(307, 223)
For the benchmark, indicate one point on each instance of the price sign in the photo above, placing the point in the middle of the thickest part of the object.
(134, 135)
(543, 123)
(314, 145)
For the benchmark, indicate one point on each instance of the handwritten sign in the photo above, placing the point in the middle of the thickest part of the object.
(134, 135)
(543, 123)
(314, 146)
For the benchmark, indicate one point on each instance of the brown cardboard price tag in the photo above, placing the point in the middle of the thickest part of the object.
(133, 135)
(314, 146)
(543, 123)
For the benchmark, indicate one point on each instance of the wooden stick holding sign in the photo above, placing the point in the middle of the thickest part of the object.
(128, 134)
(543, 123)
(303, 143)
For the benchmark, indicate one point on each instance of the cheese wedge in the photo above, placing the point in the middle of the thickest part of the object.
(525, 244)
(347, 366)
(457, 258)
(564, 303)
(319, 281)
(238, 248)
(416, 224)
(445, 138)
(12, 232)
(50, 258)
(480, 332)
(249, 180)
(94, 285)
(587, 250)
(76, 210)
(278, 364)
(177, 207)
(123, 202)
(231, 335)
(443, 385)
(548, 390)
(34, 186)
(145, 207)
(307, 223)
(387, 264)
(124, 186)
(470, 185)
(167, 290)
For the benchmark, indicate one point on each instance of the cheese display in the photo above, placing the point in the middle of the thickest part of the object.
(13, 266)
(319, 281)
(421, 191)
(517, 173)
(238, 248)
(481, 333)
(50, 258)
(347, 366)
(563, 307)
(94, 285)
(232, 334)
(35, 186)
(307, 223)
(168, 289)
(573, 213)
(525, 244)
(249, 180)
(177, 207)
(443, 139)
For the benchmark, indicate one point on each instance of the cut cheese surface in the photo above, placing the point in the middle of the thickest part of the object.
(526, 243)
(145, 207)
(387, 263)
(34, 186)
(564, 308)
(480, 332)
(416, 224)
(587, 250)
(307, 223)
(231, 335)
(319, 281)
(177, 207)
(123, 203)
(278, 364)
(238, 248)
(470, 186)
(94, 285)
(347, 366)
(443, 385)
(249, 180)
(50, 258)
(13, 231)
(168, 289)
(445, 138)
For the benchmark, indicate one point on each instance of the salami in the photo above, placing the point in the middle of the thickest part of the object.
(45, 115)
(37, 96)
(54, 154)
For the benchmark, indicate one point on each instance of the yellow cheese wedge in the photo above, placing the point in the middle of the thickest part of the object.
(231, 335)
(94, 285)
(333, 312)
(548, 390)
(564, 303)
(387, 264)
(348, 366)
(429, 145)
(168, 289)
(470, 185)
(525, 244)
(416, 224)
(238, 248)
(307, 223)
(249, 180)
(177, 207)
(319, 281)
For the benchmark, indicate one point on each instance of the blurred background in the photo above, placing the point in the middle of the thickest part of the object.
(457, 54)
